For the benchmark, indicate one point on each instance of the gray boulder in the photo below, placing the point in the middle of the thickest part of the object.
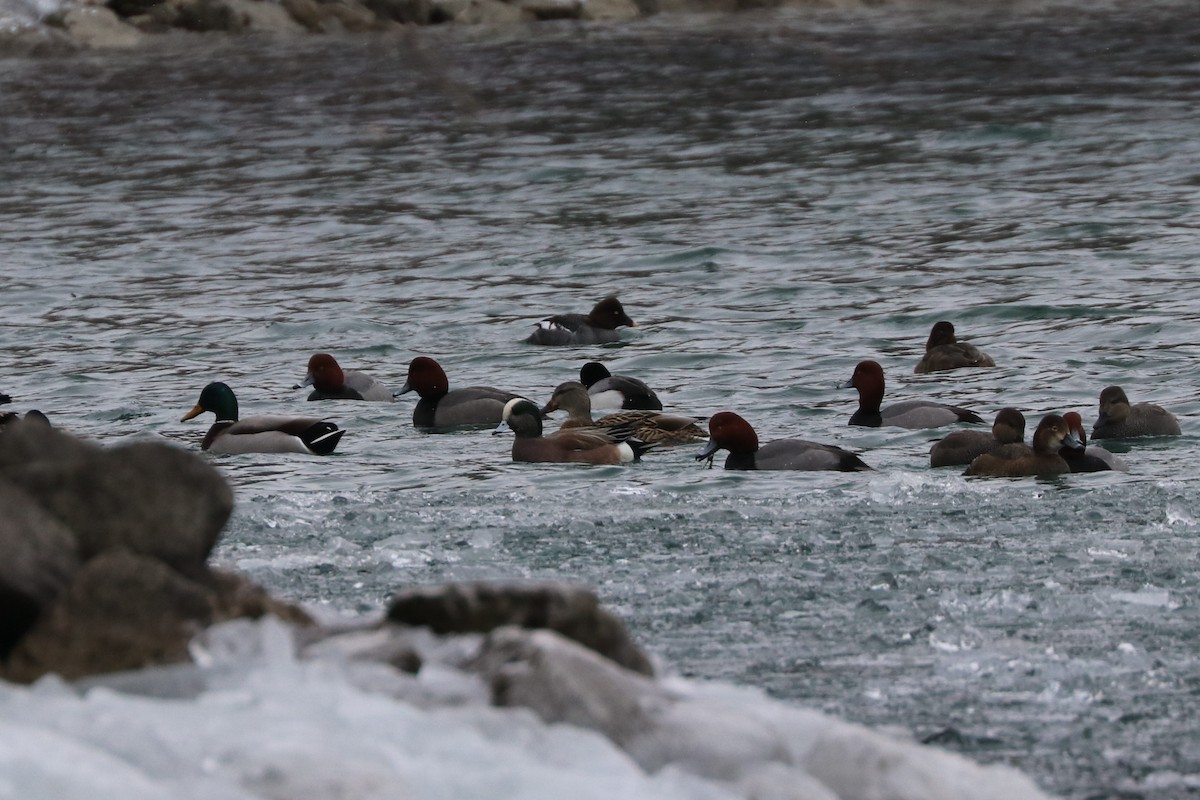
(571, 611)
(149, 497)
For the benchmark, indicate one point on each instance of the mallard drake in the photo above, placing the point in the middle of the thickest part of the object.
(648, 426)
(260, 434)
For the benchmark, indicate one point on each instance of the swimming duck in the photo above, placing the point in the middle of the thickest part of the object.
(596, 327)
(962, 447)
(439, 407)
(582, 445)
(1014, 460)
(616, 391)
(330, 382)
(260, 434)
(912, 414)
(943, 351)
(646, 426)
(728, 431)
(1084, 458)
(1120, 420)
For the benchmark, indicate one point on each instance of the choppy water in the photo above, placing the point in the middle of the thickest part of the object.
(775, 198)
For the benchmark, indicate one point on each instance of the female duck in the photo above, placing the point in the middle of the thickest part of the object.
(728, 431)
(1088, 459)
(962, 447)
(331, 382)
(616, 391)
(1120, 420)
(439, 407)
(943, 351)
(599, 326)
(580, 445)
(260, 434)
(1014, 461)
(912, 414)
(646, 426)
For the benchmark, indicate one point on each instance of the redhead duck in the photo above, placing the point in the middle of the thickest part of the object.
(728, 431)
(439, 407)
(260, 434)
(943, 351)
(330, 382)
(596, 327)
(646, 426)
(1120, 420)
(581, 445)
(912, 414)
(1084, 458)
(1014, 460)
(962, 447)
(616, 391)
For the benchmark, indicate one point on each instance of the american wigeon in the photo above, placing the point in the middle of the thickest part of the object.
(260, 434)
(581, 445)
(647, 426)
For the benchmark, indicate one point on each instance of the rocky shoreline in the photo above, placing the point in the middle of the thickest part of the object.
(106, 582)
(125, 24)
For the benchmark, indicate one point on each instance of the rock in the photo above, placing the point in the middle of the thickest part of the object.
(40, 558)
(347, 15)
(484, 12)
(24, 40)
(415, 12)
(150, 497)
(609, 10)
(573, 612)
(96, 27)
(551, 9)
(204, 16)
(265, 17)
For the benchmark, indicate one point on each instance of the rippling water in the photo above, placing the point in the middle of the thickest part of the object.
(774, 198)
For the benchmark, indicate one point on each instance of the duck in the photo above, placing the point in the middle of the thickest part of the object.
(962, 447)
(1043, 459)
(1120, 420)
(729, 431)
(599, 326)
(579, 445)
(617, 391)
(943, 351)
(4, 398)
(260, 434)
(331, 382)
(1085, 458)
(911, 414)
(441, 407)
(646, 426)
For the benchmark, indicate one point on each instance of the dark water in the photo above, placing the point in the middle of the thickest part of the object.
(774, 197)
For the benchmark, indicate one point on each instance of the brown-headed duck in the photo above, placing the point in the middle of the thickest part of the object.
(1014, 461)
(331, 382)
(912, 414)
(439, 407)
(616, 391)
(728, 431)
(599, 326)
(1085, 458)
(260, 434)
(962, 447)
(943, 351)
(647, 426)
(1120, 420)
(579, 445)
